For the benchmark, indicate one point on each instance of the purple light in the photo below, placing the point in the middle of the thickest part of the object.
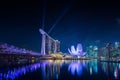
(78, 51)
(116, 74)
(75, 68)
(17, 72)
(10, 49)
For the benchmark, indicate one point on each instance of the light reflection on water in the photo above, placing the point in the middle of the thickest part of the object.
(17, 72)
(76, 67)
(111, 69)
(59, 69)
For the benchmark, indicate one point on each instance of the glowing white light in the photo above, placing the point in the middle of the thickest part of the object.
(78, 51)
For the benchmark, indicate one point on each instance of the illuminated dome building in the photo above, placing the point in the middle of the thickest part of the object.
(78, 51)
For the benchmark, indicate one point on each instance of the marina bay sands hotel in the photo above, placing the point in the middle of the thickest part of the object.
(49, 45)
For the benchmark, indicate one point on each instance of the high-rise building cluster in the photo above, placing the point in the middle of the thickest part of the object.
(49, 45)
(111, 50)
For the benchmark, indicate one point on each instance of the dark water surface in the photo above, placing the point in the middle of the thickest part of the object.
(62, 70)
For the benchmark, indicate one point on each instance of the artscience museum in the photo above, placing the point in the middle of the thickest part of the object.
(77, 52)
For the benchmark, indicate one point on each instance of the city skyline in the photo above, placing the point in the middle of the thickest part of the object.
(73, 22)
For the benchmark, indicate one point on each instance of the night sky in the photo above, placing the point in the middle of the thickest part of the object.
(73, 21)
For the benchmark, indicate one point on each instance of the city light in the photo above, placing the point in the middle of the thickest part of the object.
(78, 51)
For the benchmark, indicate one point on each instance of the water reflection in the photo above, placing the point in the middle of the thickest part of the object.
(76, 67)
(59, 69)
(116, 73)
(92, 66)
(17, 72)
(111, 69)
(51, 70)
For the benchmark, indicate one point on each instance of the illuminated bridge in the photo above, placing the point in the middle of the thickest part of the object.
(14, 54)
(49, 46)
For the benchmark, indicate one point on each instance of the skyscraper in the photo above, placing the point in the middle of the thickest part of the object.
(48, 45)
